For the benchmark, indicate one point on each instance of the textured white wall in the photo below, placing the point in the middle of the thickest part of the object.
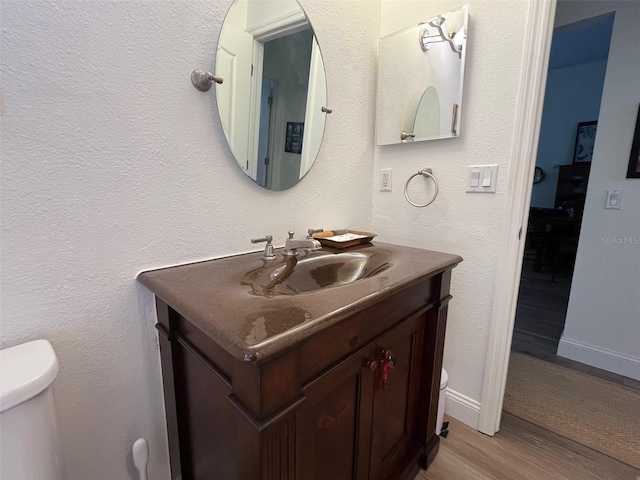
(604, 307)
(463, 223)
(113, 163)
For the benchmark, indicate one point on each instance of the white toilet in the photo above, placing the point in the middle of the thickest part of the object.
(29, 446)
(444, 381)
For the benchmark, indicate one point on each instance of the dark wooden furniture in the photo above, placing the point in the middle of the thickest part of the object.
(315, 408)
(571, 190)
(552, 234)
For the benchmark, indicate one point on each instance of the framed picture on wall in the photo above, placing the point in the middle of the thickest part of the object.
(634, 159)
(585, 139)
(293, 141)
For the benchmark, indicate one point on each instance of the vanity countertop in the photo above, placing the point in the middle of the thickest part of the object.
(252, 327)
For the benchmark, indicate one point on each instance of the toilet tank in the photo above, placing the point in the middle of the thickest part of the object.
(29, 446)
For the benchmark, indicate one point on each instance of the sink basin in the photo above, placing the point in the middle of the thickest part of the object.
(317, 271)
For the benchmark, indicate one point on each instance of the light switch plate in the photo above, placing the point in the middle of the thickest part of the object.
(482, 178)
(614, 200)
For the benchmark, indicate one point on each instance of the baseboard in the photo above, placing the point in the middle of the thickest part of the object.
(462, 408)
(614, 362)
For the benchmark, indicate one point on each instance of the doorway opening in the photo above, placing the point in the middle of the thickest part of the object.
(575, 81)
(284, 86)
(544, 385)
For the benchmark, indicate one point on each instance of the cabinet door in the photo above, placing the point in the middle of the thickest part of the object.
(395, 409)
(333, 425)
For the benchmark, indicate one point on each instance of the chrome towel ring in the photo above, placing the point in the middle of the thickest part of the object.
(427, 172)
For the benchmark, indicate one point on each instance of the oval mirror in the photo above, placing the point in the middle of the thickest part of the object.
(427, 121)
(274, 90)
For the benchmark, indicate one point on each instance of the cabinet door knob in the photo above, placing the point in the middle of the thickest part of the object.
(372, 365)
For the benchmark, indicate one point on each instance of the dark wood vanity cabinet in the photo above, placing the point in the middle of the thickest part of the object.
(347, 427)
(315, 409)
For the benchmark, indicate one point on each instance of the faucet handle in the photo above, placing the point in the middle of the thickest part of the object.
(267, 238)
(268, 254)
(291, 234)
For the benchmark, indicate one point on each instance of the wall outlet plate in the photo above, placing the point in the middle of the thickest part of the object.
(385, 179)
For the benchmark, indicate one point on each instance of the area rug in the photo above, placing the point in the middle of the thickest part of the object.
(602, 415)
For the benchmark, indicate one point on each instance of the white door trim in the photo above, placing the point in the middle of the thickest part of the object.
(540, 20)
(288, 24)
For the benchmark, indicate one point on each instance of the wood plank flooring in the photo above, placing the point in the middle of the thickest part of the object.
(541, 311)
(519, 451)
(540, 315)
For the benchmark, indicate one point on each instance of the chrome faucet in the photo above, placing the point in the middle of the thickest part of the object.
(268, 254)
(291, 245)
(311, 231)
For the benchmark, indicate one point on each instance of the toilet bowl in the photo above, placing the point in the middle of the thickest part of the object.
(29, 446)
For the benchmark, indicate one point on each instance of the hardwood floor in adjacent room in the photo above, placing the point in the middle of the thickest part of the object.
(540, 315)
(520, 451)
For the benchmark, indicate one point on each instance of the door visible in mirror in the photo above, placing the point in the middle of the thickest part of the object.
(420, 80)
(274, 88)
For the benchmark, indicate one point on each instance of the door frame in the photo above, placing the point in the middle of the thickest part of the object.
(533, 79)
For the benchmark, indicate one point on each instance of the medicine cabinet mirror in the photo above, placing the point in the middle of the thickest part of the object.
(420, 80)
(271, 102)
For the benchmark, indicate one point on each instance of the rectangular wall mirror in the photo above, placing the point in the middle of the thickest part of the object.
(420, 80)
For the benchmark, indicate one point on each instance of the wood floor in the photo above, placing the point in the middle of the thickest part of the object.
(519, 451)
(540, 313)
(540, 316)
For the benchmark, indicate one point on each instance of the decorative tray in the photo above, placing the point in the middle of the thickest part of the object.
(343, 238)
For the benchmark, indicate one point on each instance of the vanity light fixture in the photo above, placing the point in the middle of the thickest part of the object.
(425, 42)
(426, 37)
(202, 80)
(437, 22)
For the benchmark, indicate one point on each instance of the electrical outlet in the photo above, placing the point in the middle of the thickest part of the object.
(385, 179)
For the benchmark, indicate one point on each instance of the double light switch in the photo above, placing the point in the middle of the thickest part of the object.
(482, 178)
